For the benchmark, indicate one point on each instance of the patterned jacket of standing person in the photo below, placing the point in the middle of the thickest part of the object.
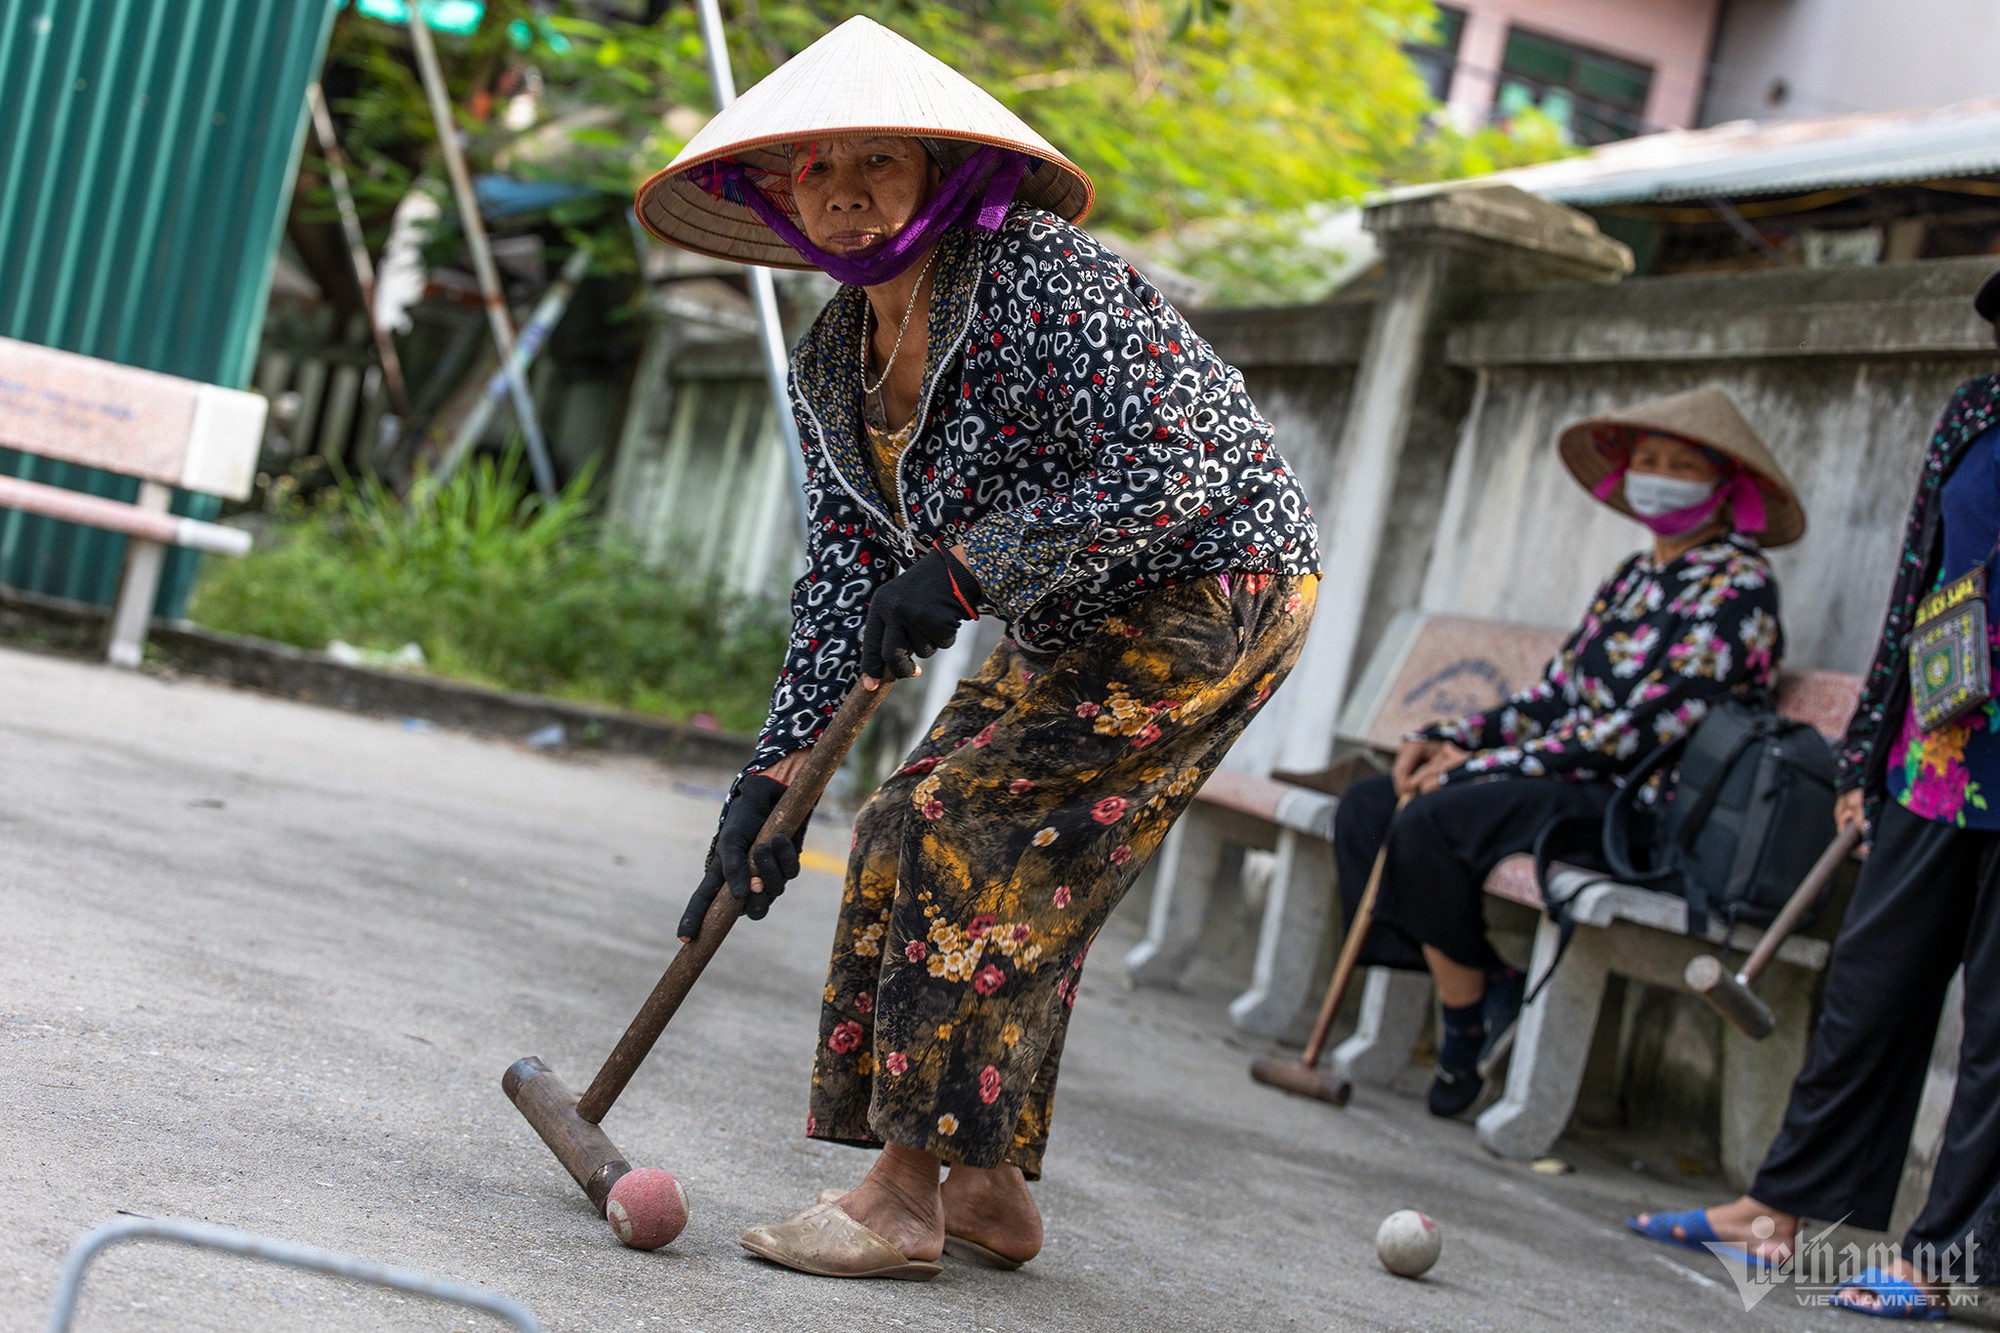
(1656, 649)
(1081, 441)
(1885, 692)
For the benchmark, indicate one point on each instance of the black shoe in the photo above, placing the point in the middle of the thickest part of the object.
(1454, 1089)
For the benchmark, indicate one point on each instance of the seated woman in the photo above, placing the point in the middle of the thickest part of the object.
(1674, 628)
(1927, 904)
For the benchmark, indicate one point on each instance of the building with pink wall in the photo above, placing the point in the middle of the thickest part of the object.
(1777, 59)
(1607, 69)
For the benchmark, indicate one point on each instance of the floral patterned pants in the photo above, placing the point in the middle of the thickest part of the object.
(984, 867)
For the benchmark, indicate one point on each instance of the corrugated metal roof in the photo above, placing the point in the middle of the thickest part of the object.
(146, 154)
(1742, 158)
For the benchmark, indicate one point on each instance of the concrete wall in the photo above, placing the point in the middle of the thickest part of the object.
(1841, 372)
(1837, 56)
(1671, 36)
(1299, 364)
(701, 480)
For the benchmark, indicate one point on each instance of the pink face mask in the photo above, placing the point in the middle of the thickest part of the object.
(1738, 489)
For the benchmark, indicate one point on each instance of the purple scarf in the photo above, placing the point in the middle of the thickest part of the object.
(997, 170)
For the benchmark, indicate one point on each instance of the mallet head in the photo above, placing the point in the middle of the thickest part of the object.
(1294, 1077)
(585, 1151)
(1727, 995)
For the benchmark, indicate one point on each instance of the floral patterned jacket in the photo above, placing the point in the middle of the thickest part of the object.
(1657, 647)
(1885, 691)
(1081, 441)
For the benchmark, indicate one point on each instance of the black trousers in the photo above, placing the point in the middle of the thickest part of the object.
(1441, 849)
(1927, 901)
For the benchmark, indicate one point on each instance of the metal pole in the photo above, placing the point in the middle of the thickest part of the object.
(205, 1236)
(482, 253)
(357, 249)
(762, 293)
(548, 312)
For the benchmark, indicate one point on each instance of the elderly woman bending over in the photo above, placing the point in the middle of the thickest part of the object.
(1000, 417)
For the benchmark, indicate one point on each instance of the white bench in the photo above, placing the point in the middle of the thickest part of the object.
(1642, 934)
(1428, 667)
(1628, 932)
(166, 431)
(1234, 811)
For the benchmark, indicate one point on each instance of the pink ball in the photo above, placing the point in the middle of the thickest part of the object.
(647, 1208)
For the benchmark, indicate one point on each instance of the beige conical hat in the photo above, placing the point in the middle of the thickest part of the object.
(1597, 446)
(860, 78)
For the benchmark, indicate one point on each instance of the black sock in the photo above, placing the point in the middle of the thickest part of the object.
(1464, 1034)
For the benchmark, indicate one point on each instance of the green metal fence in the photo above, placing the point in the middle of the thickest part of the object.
(147, 150)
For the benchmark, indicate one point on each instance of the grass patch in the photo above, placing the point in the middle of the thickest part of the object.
(500, 587)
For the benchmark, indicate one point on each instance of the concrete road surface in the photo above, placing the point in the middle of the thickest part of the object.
(263, 964)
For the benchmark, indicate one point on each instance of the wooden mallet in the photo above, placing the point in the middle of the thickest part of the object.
(568, 1123)
(1304, 1076)
(1709, 977)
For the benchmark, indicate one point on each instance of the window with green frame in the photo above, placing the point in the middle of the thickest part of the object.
(1594, 96)
(1436, 58)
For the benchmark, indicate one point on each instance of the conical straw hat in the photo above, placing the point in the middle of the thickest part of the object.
(860, 78)
(1597, 446)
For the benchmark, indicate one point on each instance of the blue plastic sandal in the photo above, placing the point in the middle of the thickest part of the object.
(1700, 1235)
(1900, 1298)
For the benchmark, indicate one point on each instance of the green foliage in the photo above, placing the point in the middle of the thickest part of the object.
(1179, 109)
(1258, 259)
(598, 122)
(1248, 257)
(500, 587)
(1267, 106)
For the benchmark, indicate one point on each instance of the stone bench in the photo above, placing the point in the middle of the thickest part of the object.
(1628, 932)
(1425, 667)
(1232, 812)
(1437, 666)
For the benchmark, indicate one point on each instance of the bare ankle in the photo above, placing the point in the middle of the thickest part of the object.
(1782, 1223)
(906, 1171)
(899, 1200)
(991, 1207)
(1005, 1178)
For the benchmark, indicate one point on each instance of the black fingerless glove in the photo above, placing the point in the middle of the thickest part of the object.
(916, 613)
(735, 861)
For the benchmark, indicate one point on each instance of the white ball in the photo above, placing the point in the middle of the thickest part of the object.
(1408, 1243)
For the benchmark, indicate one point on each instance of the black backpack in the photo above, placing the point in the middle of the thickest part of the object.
(1749, 813)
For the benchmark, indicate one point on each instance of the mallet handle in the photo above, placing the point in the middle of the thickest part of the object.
(1350, 953)
(807, 785)
(1800, 902)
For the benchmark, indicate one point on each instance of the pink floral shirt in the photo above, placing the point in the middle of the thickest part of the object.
(1657, 648)
(1945, 775)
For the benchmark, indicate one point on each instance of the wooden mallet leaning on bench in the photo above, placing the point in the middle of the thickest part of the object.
(1709, 977)
(1305, 1077)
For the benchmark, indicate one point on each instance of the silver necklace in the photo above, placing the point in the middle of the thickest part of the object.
(901, 329)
